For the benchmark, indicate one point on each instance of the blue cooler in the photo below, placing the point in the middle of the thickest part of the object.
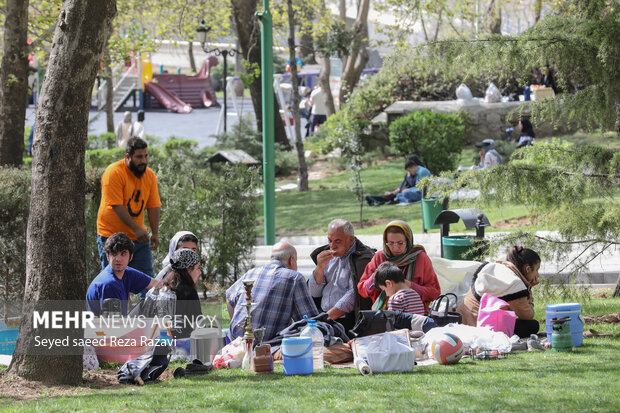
(572, 310)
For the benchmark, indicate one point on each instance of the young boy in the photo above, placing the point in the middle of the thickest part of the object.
(391, 279)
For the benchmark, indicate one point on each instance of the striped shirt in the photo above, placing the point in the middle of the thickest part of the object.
(406, 301)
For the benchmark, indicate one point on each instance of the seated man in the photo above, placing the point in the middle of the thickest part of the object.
(407, 190)
(488, 155)
(280, 293)
(117, 280)
(339, 267)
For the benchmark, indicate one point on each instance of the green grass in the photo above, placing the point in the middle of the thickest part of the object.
(308, 213)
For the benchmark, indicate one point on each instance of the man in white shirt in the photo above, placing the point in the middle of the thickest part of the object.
(318, 114)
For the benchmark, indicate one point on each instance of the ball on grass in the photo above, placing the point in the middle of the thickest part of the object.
(448, 349)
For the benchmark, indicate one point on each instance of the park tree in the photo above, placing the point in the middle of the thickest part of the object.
(248, 32)
(571, 188)
(302, 169)
(14, 83)
(55, 267)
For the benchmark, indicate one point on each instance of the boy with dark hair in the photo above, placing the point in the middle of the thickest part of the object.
(117, 280)
(391, 279)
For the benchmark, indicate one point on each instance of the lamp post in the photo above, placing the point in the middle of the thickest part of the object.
(202, 31)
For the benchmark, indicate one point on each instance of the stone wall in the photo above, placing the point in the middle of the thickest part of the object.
(489, 120)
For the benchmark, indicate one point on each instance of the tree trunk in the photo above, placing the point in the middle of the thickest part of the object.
(358, 58)
(248, 31)
(306, 42)
(55, 254)
(190, 53)
(494, 14)
(537, 10)
(299, 144)
(324, 82)
(109, 93)
(14, 83)
(617, 289)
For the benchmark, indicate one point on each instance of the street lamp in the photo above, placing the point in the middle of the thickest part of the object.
(201, 34)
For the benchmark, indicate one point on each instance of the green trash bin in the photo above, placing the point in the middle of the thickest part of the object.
(455, 247)
(431, 207)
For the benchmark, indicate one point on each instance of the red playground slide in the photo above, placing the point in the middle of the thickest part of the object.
(167, 99)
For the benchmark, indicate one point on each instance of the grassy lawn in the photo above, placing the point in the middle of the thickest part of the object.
(308, 213)
(586, 379)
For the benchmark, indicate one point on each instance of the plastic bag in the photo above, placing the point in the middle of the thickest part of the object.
(159, 303)
(231, 355)
(492, 94)
(473, 337)
(491, 314)
(385, 354)
(463, 92)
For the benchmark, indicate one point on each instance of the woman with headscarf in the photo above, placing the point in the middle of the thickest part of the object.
(182, 239)
(399, 249)
(181, 279)
(527, 135)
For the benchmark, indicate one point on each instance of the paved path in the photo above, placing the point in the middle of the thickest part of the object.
(604, 270)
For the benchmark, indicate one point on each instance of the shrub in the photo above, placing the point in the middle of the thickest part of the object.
(14, 207)
(243, 136)
(103, 141)
(435, 137)
(218, 208)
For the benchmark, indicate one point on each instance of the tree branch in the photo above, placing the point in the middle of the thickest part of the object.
(582, 241)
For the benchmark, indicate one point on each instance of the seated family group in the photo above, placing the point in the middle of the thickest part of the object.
(349, 276)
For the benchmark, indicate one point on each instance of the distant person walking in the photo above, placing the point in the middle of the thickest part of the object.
(137, 129)
(318, 113)
(123, 130)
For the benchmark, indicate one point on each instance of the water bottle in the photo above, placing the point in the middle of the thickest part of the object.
(315, 334)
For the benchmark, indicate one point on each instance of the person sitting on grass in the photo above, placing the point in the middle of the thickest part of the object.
(406, 191)
(182, 239)
(512, 281)
(117, 279)
(399, 249)
(390, 278)
(181, 279)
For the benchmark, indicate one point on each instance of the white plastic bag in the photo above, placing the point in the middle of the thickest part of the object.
(231, 355)
(492, 94)
(386, 354)
(463, 92)
(473, 337)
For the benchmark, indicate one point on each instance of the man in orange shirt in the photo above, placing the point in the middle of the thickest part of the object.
(128, 187)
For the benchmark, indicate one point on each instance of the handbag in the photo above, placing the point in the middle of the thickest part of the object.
(448, 315)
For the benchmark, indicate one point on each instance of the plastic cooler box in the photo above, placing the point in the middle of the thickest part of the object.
(8, 338)
(572, 310)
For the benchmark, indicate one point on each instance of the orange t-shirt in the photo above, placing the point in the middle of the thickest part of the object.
(119, 186)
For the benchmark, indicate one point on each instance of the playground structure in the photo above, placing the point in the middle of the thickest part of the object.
(180, 93)
(176, 92)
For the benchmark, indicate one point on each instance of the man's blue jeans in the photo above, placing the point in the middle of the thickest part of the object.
(410, 195)
(142, 256)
